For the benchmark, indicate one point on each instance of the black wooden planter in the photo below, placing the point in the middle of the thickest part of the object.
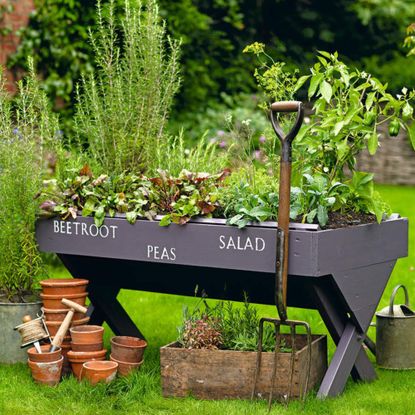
(341, 272)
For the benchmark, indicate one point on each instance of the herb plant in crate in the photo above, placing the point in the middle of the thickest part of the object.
(215, 356)
(27, 129)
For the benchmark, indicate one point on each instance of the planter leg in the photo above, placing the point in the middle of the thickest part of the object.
(342, 362)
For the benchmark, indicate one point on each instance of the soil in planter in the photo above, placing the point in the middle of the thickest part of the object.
(339, 220)
(27, 297)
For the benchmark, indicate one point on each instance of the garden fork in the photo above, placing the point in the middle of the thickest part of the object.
(282, 257)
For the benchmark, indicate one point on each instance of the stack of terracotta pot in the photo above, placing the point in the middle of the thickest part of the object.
(53, 290)
(47, 366)
(128, 352)
(87, 345)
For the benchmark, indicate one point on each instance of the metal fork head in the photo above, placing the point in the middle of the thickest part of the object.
(293, 325)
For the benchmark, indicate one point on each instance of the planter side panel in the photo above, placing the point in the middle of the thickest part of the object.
(354, 247)
(196, 244)
(225, 374)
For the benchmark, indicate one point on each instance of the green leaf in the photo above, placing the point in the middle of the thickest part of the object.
(165, 220)
(369, 100)
(311, 215)
(131, 217)
(338, 126)
(325, 54)
(326, 91)
(411, 133)
(314, 84)
(322, 215)
(89, 207)
(372, 143)
(301, 81)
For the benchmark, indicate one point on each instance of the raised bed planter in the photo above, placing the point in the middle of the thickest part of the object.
(340, 272)
(221, 374)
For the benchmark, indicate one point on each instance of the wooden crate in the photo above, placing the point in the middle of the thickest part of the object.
(221, 374)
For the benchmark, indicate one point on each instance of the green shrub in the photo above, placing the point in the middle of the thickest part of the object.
(28, 131)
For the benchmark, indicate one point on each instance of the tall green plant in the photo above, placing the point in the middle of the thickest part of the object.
(124, 104)
(28, 130)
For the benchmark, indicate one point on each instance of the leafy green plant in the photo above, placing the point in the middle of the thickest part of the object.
(124, 104)
(28, 131)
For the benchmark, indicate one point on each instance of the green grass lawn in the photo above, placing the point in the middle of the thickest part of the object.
(158, 316)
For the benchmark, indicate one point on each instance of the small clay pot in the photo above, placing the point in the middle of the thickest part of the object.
(128, 349)
(63, 286)
(125, 368)
(47, 373)
(77, 359)
(53, 326)
(86, 347)
(45, 356)
(59, 314)
(87, 334)
(54, 302)
(99, 371)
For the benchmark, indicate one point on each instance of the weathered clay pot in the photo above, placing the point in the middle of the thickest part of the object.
(128, 349)
(87, 334)
(47, 373)
(66, 368)
(66, 340)
(86, 347)
(55, 301)
(59, 314)
(53, 326)
(99, 371)
(125, 368)
(45, 356)
(63, 286)
(77, 359)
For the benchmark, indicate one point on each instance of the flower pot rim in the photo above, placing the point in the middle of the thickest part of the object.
(94, 329)
(107, 365)
(31, 362)
(74, 355)
(58, 323)
(127, 363)
(64, 282)
(43, 346)
(60, 296)
(128, 345)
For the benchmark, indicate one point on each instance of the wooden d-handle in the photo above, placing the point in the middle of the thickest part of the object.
(286, 106)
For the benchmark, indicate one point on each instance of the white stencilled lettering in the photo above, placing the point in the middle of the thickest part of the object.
(163, 253)
(240, 243)
(84, 229)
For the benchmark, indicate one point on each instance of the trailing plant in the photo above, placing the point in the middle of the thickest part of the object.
(225, 326)
(28, 132)
(123, 105)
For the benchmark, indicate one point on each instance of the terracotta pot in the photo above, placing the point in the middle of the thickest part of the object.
(53, 326)
(87, 334)
(63, 286)
(66, 368)
(99, 371)
(66, 341)
(47, 373)
(45, 356)
(128, 349)
(54, 302)
(86, 347)
(77, 359)
(59, 314)
(125, 368)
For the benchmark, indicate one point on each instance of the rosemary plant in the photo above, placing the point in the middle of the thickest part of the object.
(124, 104)
(28, 130)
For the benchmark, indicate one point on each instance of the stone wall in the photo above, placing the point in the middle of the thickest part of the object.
(394, 162)
(12, 21)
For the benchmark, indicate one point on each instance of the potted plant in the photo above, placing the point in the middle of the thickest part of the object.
(215, 356)
(26, 128)
(107, 214)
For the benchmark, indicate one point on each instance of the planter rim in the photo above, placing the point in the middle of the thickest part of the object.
(135, 364)
(60, 296)
(63, 282)
(129, 346)
(21, 304)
